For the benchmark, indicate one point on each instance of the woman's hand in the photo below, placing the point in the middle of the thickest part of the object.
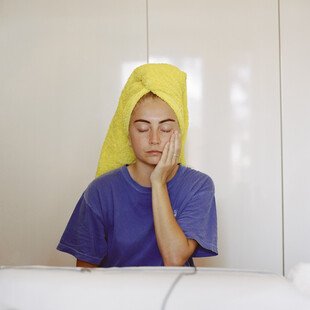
(168, 161)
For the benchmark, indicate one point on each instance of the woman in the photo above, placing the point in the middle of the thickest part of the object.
(145, 208)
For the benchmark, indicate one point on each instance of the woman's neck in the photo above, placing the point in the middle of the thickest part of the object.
(141, 173)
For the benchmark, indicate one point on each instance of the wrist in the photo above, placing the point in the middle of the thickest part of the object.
(158, 183)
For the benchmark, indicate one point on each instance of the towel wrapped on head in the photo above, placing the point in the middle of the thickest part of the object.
(164, 80)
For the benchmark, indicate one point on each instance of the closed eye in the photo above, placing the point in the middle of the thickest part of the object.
(145, 130)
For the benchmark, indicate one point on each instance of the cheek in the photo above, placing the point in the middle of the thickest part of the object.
(165, 137)
(137, 141)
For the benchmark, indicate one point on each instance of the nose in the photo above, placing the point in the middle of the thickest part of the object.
(154, 137)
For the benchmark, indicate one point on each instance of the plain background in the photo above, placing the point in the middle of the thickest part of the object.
(62, 67)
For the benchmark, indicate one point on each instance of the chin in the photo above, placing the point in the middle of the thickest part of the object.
(152, 161)
(149, 160)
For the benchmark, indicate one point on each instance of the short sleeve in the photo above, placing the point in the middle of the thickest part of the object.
(84, 236)
(198, 220)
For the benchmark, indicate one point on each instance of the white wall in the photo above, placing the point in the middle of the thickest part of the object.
(230, 51)
(63, 65)
(295, 50)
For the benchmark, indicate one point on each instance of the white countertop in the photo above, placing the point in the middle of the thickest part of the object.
(40, 287)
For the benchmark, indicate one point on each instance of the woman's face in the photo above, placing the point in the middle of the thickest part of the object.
(151, 125)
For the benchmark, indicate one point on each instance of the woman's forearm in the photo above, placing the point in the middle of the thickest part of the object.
(172, 242)
(80, 263)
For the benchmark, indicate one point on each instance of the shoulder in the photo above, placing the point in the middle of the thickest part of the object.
(103, 184)
(197, 179)
(107, 178)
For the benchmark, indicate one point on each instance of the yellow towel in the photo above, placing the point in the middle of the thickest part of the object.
(166, 81)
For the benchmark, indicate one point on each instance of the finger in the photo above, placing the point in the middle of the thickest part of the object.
(164, 154)
(175, 148)
(177, 145)
(170, 158)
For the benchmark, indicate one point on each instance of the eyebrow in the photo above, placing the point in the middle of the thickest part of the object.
(163, 121)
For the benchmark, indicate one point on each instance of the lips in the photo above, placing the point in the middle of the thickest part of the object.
(154, 152)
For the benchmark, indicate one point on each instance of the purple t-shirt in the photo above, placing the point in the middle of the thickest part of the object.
(112, 224)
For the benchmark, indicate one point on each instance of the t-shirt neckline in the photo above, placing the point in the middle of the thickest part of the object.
(145, 189)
